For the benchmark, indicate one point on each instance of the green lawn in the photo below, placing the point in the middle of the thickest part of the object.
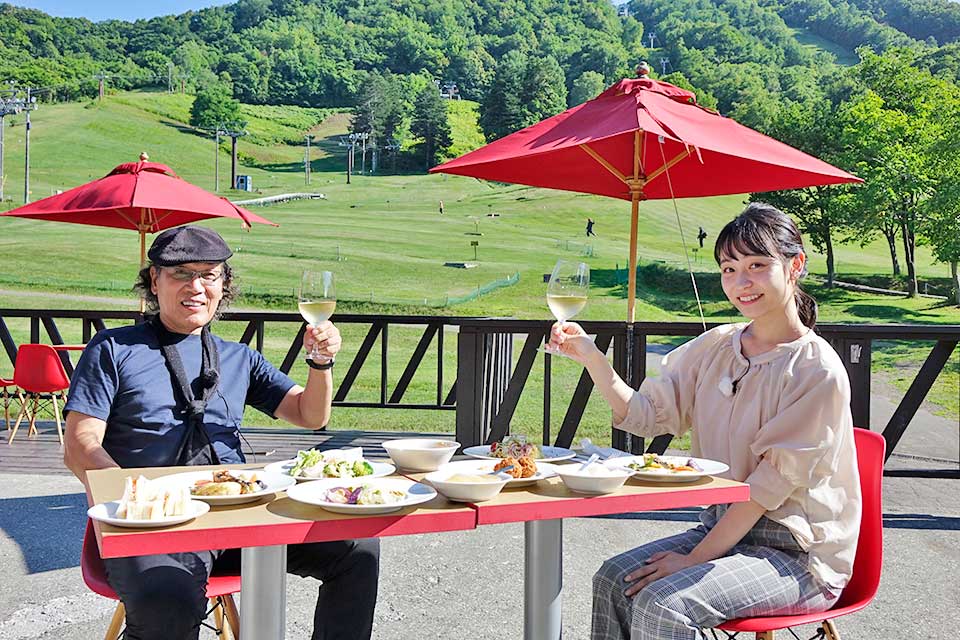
(391, 240)
(814, 42)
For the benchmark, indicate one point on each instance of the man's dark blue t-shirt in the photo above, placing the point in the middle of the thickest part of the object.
(122, 379)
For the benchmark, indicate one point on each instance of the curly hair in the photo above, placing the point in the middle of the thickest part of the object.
(143, 287)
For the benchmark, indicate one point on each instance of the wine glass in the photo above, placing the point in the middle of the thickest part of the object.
(567, 291)
(316, 300)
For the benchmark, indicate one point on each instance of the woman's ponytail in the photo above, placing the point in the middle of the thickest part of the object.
(806, 307)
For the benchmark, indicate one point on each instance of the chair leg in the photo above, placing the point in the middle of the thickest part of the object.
(6, 408)
(216, 605)
(56, 415)
(16, 425)
(116, 623)
(33, 415)
(233, 616)
(830, 630)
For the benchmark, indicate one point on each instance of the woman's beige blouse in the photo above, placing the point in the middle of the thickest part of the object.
(787, 432)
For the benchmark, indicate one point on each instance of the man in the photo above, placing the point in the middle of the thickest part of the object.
(701, 236)
(590, 227)
(168, 392)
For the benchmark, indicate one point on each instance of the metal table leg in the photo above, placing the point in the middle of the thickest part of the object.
(263, 596)
(543, 579)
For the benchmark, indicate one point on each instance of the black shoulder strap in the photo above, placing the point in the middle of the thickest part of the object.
(195, 447)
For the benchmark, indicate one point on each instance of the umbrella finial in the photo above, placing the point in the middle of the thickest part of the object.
(143, 156)
(643, 69)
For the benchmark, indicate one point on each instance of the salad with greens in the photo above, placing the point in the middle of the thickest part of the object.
(365, 495)
(313, 464)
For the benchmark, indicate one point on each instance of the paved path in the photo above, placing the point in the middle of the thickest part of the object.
(469, 584)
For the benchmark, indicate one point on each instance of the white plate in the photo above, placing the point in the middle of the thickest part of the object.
(107, 512)
(544, 470)
(274, 482)
(315, 493)
(548, 453)
(283, 467)
(710, 468)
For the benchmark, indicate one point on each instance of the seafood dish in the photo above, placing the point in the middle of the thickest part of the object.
(652, 461)
(226, 483)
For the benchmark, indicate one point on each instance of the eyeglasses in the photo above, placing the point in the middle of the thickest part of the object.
(208, 278)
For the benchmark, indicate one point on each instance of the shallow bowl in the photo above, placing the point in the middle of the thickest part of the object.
(465, 491)
(420, 454)
(582, 482)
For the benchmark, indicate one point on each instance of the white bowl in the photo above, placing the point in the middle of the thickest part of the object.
(420, 454)
(593, 483)
(465, 491)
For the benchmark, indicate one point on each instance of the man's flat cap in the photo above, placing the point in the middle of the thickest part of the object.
(181, 245)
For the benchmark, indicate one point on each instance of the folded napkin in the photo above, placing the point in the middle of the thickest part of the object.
(604, 452)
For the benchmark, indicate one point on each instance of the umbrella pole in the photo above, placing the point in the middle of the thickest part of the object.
(632, 275)
(143, 262)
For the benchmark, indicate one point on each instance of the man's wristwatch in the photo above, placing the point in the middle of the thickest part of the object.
(320, 367)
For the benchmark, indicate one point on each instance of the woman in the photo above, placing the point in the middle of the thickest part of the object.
(771, 399)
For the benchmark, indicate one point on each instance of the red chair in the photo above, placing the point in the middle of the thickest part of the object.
(866, 565)
(39, 371)
(220, 590)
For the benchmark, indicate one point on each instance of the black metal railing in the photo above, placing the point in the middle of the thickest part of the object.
(482, 419)
(489, 381)
(255, 329)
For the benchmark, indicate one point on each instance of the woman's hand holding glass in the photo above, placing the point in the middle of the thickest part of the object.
(567, 292)
(569, 339)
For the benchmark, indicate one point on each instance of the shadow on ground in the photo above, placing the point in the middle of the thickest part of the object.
(920, 521)
(48, 529)
(924, 521)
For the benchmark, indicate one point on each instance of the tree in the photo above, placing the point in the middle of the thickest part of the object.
(430, 123)
(820, 211)
(586, 87)
(502, 112)
(544, 89)
(380, 109)
(892, 130)
(214, 107)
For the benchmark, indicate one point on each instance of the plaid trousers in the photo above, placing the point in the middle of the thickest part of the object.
(764, 574)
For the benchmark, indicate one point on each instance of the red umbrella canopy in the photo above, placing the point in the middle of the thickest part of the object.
(145, 196)
(643, 139)
(638, 128)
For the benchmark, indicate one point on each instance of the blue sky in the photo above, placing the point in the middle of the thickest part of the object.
(97, 10)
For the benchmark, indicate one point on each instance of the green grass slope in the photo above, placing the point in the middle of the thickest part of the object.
(390, 238)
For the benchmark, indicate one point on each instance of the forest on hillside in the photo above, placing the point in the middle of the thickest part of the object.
(868, 85)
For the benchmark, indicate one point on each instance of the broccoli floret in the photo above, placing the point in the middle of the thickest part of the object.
(362, 468)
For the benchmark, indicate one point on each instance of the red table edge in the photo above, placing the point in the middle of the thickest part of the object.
(133, 542)
(599, 505)
(69, 347)
(605, 505)
(136, 542)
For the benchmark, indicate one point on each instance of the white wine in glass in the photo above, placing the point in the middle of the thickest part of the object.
(567, 290)
(316, 300)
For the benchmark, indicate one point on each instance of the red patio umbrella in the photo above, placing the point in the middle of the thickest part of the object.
(643, 139)
(144, 196)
